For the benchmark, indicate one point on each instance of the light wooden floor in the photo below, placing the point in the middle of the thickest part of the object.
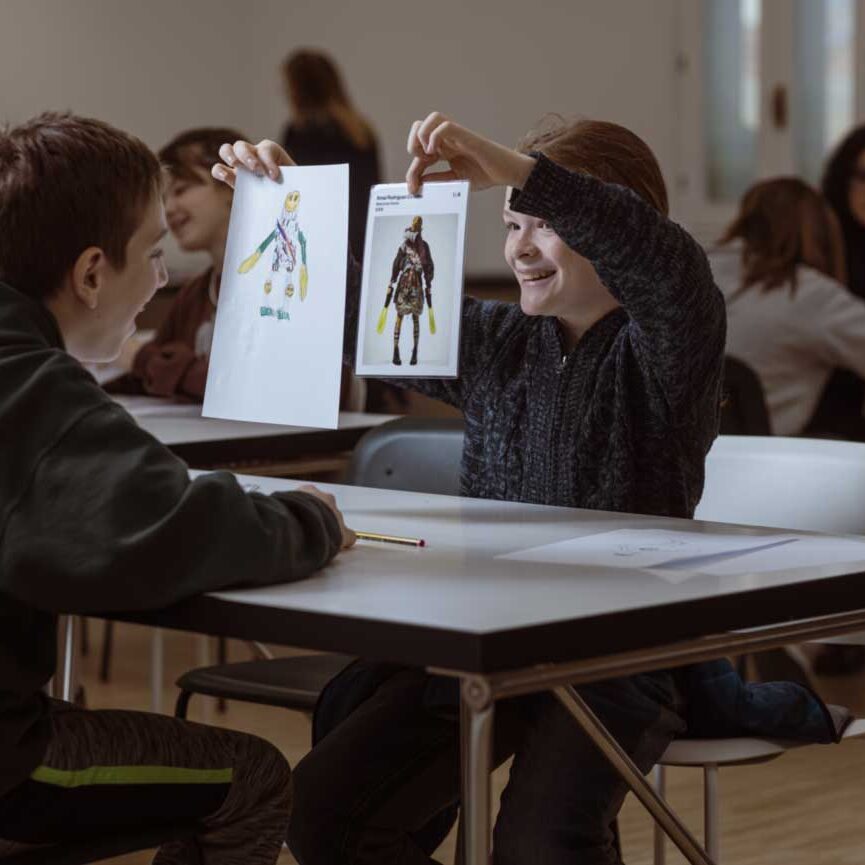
(804, 809)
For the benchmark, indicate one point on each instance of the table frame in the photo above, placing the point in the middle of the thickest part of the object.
(479, 692)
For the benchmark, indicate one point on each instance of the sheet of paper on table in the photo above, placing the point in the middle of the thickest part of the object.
(277, 342)
(683, 552)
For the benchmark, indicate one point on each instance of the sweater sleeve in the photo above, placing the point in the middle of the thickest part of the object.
(484, 326)
(111, 521)
(651, 265)
(168, 365)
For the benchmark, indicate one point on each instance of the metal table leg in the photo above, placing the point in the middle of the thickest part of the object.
(624, 765)
(69, 626)
(476, 733)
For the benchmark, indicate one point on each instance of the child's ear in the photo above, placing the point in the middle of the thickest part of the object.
(88, 276)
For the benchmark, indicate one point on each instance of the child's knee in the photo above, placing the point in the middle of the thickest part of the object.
(267, 770)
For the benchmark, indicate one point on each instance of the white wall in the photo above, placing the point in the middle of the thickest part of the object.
(160, 66)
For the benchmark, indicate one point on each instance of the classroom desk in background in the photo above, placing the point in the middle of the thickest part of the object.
(505, 627)
(253, 447)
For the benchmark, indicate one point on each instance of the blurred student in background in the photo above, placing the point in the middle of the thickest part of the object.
(326, 129)
(780, 266)
(197, 209)
(839, 412)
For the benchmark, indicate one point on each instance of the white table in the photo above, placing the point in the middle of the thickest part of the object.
(505, 627)
(205, 442)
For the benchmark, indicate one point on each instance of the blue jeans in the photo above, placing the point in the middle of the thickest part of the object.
(381, 786)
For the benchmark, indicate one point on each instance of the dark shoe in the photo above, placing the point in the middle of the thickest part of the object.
(396, 359)
(413, 361)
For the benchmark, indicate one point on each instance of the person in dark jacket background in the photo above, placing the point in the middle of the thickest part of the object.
(326, 129)
(96, 515)
(839, 412)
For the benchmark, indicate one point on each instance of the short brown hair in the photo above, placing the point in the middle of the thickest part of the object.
(68, 183)
(784, 223)
(604, 150)
(196, 148)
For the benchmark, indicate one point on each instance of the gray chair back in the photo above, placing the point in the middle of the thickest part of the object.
(411, 454)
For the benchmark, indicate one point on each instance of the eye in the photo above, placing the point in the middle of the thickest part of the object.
(511, 226)
(545, 226)
(157, 254)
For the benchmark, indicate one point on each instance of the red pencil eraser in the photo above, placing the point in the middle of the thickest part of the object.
(422, 543)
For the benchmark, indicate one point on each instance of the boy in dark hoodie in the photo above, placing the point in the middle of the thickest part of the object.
(96, 515)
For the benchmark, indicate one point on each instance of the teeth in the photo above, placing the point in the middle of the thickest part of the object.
(538, 276)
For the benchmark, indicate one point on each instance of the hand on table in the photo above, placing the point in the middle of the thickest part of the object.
(469, 155)
(348, 536)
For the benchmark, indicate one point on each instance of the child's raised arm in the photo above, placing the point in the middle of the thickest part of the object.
(652, 266)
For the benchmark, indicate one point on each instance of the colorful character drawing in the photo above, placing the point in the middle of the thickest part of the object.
(288, 240)
(412, 267)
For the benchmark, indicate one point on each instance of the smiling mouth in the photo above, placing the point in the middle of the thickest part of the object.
(537, 277)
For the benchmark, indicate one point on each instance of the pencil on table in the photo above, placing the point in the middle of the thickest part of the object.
(391, 539)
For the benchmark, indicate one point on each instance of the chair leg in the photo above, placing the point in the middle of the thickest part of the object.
(107, 645)
(221, 658)
(85, 637)
(660, 782)
(711, 813)
(157, 662)
(182, 705)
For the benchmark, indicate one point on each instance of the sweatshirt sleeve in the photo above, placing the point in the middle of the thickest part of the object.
(162, 368)
(484, 326)
(111, 521)
(651, 265)
(832, 323)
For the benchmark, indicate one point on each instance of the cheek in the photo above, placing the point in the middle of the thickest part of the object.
(509, 250)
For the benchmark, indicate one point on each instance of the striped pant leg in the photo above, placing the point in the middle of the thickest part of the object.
(109, 771)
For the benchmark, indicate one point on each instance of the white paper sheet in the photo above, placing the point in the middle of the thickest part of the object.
(806, 552)
(277, 343)
(414, 253)
(679, 555)
(647, 548)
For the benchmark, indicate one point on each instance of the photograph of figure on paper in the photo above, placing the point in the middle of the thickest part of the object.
(412, 290)
(410, 283)
(289, 243)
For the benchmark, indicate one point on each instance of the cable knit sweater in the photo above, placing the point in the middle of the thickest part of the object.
(624, 421)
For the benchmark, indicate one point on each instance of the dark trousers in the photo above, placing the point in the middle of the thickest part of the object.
(375, 788)
(107, 772)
